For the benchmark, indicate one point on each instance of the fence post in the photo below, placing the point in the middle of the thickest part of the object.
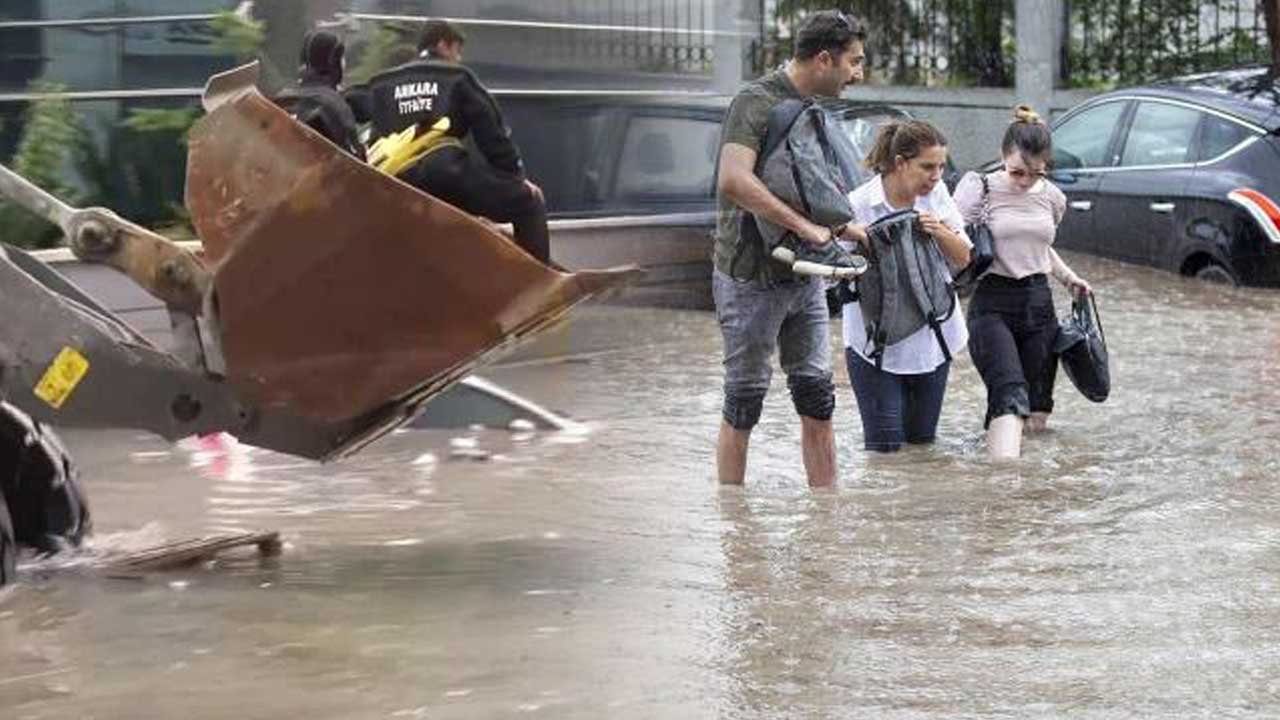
(729, 22)
(1039, 39)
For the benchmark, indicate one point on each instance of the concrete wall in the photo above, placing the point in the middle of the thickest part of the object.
(973, 119)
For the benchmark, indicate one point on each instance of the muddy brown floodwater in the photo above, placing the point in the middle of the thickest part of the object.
(1128, 566)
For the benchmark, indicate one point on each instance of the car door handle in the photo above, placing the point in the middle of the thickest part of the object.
(1082, 205)
(1162, 207)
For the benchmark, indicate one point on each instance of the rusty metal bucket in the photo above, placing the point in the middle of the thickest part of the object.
(339, 290)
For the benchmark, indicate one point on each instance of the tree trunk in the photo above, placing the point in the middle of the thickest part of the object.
(287, 21)
(1271, 9)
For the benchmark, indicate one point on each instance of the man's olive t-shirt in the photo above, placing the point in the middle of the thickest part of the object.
(745, 124)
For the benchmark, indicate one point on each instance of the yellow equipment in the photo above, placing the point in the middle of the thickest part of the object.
(397, 152)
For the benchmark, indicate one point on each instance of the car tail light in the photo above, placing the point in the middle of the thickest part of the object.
(1263, 209)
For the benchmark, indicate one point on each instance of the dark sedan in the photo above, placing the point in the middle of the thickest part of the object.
(1182, 175)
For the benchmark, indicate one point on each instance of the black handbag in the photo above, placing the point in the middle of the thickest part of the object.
(1082, 350)
(983, 252)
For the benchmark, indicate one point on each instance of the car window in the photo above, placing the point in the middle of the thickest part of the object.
(1220, 135)
(668, 156)
(1081, 141)
(862, 130)
(561, 148)
(1160, 134)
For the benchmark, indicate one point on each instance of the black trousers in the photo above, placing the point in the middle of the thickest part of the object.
(1012, 326)
(476, 187)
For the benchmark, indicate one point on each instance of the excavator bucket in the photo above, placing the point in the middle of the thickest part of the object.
(340, 292)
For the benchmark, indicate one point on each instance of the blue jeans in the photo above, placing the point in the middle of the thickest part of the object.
(896, 409)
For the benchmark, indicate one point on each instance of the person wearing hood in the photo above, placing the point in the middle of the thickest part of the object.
(315, 100)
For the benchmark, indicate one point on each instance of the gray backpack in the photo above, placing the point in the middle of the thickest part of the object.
(907, 286)
(809, 164)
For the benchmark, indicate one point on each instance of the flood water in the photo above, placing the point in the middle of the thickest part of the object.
(1128, 566)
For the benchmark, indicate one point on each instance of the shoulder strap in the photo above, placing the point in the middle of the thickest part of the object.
(781, 117)
(986, 199)
(920, 271)
(890, 296)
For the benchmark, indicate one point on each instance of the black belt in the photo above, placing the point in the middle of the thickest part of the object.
(1000, 281)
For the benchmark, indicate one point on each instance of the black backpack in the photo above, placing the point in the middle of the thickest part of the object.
(324, 110)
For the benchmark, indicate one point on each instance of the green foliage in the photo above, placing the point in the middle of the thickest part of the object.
(915, 42)
(392, 44)
(162, 120)
(50, 138)
(1125, 42)
(141, 170)
(1109, 42)
(144, 164)
(239, 37)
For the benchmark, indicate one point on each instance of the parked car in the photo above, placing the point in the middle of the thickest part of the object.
(631, 178)
(1183, 175)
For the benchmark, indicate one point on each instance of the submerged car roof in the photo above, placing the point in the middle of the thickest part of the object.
(1250, 93)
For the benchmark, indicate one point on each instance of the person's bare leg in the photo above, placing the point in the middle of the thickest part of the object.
(731, 454)
(1004, 437)
(1038, 422)
(818, 445)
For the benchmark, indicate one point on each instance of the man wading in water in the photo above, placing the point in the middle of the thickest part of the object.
(762, 306)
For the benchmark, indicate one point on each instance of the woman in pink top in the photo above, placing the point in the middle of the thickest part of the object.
(1012, 323)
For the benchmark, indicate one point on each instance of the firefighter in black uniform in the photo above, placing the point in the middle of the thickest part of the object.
(315, 100)
(436, 85)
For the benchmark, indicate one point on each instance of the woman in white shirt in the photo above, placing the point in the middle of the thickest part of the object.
(900, 396)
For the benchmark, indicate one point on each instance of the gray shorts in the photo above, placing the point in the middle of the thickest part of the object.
(755, 320)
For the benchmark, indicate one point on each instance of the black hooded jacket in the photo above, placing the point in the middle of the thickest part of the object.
(423, 91)
(315, 100)
(316, 103)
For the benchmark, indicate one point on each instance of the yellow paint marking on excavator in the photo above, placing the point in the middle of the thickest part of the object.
(60, 380)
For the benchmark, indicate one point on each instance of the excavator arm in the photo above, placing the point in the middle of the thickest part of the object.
(330, 304)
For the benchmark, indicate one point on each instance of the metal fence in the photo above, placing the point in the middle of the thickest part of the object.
(910, 42)
(662, 36)
(1122, 42)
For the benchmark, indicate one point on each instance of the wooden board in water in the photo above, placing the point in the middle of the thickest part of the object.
(185, 553)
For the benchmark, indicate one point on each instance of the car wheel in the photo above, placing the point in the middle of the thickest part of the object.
(1215, 273)
(8, 546)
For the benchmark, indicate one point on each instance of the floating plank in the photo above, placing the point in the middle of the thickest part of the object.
(185, 553)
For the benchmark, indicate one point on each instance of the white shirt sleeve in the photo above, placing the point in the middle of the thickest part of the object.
(948, 212)
(861, 214)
